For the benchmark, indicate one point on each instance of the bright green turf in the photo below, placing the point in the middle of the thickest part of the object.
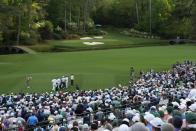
(93, 69)
(113, 39)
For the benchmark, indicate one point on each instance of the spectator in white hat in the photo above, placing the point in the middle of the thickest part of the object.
(138, 126)
(193, 107)
(124, 126)
(148, 117)
(136, 118)
(156, 124)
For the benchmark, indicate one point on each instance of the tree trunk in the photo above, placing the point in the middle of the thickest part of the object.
(150, 19)
(78, 20)
(65, 20)
(29, 14)
(85, 15)
(137, 12)
(70, 13)
(19, 28)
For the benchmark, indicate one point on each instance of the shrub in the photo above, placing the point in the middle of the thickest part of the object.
(29, 38)
(71, 36)
(58, 33)
(57, 36)
(45, 30)
(9, 37)
(96, 32)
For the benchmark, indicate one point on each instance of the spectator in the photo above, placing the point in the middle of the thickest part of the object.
(32, 121)
(167, 127)
(138, 127)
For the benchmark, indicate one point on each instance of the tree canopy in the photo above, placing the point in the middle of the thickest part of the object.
(29, 21)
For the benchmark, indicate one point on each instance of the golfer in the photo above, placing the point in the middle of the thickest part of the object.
(72, 79)
(27, 81)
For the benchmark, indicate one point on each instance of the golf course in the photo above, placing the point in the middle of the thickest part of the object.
(92, 69)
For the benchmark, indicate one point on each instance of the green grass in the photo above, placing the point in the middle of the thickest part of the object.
(93, 69)
(114, 39)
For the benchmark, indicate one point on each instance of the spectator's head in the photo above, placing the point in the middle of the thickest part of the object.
(176, 113)
(75, 124)
(169, 110)
(138, 126)
(182, 107)
(111, 117)
(115, 123)
(156, 123)
(125, 121)
(191, 118)
(192, 107)
(108, 126)
(85, 127)
(103, 121)
(161, 114)
(94, 126)
(177, 122)
(74, 129)
(167, 127)
(148, 117)
(136, 118)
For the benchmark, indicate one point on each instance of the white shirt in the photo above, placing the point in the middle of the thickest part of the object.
(53, 81)
(72, 77)
(63, 79)
(192, 94)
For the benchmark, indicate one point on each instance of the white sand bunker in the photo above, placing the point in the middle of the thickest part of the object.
(86, 38)
(90, 38)
(93, 43)
(98, 37)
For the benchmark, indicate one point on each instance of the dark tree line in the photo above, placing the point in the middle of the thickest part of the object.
(31, 21)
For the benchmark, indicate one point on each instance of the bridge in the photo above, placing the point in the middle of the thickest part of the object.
(15, 50)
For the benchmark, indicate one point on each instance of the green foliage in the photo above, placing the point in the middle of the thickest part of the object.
(169, 18)
(115, 12)
(58, 33)
(29, 38)
(96, 32)
(71, 36)
(9, 37)
(46, 30)
(193, 21)
(55, 9)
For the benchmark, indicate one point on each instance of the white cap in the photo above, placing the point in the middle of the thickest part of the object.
(85, 126)
(126, 120)
(70, 126)
(175, 104)
(56, 112)
(156, 122)
(182, 106)
(111, 116)
(123, 127)
(136, 118)
(192, 107)
(148, 117)
(163, 108)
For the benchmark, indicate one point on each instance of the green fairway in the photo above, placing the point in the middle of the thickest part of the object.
(93, 69)
(113, 39)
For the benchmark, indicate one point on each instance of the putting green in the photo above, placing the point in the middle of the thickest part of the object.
(93, 69)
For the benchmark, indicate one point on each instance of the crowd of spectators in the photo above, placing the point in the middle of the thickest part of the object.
(157, 101)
